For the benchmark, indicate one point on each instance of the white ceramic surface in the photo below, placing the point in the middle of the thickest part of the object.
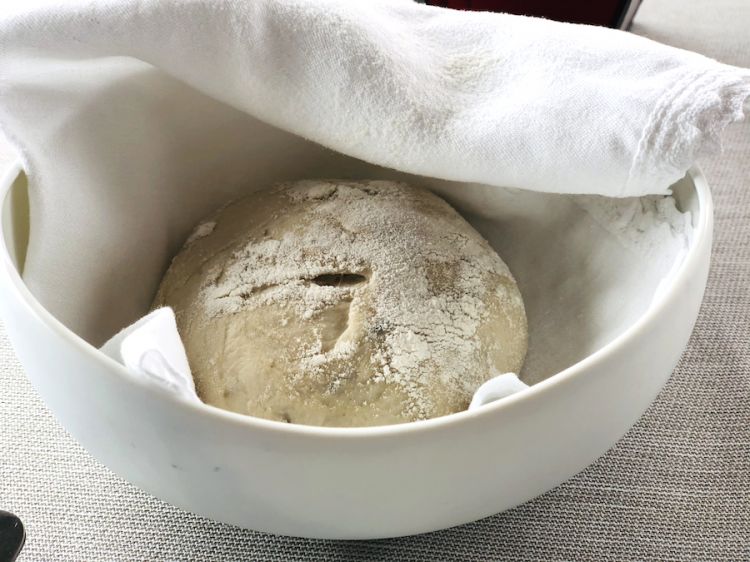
(352, 483)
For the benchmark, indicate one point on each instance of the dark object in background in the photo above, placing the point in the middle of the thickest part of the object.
(12, 536)
(610, 13)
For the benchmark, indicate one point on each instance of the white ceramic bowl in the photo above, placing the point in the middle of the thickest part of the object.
(353, 483)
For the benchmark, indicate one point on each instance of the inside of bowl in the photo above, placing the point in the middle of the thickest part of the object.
(588, 267)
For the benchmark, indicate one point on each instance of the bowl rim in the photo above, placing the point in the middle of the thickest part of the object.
(702, 229)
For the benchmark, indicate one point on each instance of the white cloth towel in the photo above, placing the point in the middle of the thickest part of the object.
(152, 349)
(117, 107)
(481, 97)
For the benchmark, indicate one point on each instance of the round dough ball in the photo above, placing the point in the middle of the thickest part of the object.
(343, 303)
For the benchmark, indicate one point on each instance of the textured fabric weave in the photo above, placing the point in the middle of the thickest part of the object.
(677, 487)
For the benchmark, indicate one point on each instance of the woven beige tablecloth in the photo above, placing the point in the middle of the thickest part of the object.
(677, 487)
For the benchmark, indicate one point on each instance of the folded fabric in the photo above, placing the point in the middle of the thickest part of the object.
(121, 108)
(153, 351)
(481, 97)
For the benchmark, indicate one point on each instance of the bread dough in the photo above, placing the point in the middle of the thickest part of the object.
(343, 303)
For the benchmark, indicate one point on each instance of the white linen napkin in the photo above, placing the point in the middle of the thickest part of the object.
(152, 349)
(120, 107)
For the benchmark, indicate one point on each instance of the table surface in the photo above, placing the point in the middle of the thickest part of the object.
(677, 487)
